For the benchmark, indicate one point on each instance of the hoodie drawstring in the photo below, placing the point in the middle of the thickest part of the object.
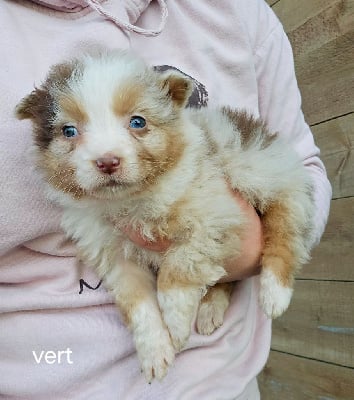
(95, 4)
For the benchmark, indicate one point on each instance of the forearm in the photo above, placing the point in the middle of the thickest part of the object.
(247, 263)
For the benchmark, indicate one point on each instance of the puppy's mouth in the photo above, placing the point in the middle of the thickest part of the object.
(113, 183)
(112, 186)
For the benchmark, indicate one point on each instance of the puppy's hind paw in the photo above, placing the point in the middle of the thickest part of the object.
(274, 297)
(212, 308)
(210, 317)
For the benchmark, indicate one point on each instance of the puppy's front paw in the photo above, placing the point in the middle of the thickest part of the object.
(156, 355)
(274, 297)
(152, 340)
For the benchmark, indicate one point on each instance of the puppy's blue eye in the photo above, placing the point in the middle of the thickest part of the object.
(70, 131)
(137, 122)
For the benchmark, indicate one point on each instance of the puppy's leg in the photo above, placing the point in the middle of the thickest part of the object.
(133, 287)
(135, 294)
(212, 308)
(285, 249)
(181, 286)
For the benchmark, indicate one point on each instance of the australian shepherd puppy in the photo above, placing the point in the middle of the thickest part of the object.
(118, 148)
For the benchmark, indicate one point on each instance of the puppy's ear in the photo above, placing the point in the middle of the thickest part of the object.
(39, 104)
(30, 106)
(179, 87)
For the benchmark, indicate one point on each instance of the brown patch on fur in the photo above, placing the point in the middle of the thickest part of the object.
(72, 109)
(278, 254)
(60, 174)
(154, 164)
(250, 128)
(39, 106)
(28, 108)
(126, 98)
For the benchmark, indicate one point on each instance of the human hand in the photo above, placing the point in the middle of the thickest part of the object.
(241, 266)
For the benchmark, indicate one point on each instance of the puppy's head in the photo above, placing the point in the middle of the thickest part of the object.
(107, 125)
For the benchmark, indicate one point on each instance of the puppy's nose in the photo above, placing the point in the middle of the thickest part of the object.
(108, 163)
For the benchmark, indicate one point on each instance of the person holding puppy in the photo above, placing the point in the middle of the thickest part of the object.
(238, 55)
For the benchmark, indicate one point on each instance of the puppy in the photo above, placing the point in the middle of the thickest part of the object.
(118, 148)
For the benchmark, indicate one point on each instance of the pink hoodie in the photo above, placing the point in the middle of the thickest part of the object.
(238, 52)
